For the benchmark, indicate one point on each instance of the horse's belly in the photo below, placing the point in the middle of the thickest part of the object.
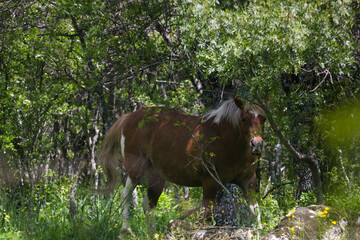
(183, 174)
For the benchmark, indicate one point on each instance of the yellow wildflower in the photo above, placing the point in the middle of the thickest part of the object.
(325, 212)
(293, 210)
(326, 208)
(333, 222)
(292, 229)
(7, 217)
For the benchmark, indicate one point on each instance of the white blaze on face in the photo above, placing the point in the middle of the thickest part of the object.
(122, 146)
(256, 114)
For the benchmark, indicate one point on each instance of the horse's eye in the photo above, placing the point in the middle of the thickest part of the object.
(243, 119)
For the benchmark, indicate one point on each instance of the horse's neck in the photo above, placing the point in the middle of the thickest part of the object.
(228, 133)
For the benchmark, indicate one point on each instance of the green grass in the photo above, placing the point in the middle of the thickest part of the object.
(44, 212)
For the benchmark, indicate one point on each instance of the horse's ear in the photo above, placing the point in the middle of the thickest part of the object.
(238, 102)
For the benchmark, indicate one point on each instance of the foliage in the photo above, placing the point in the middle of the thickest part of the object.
(265, 39)
(44, 214)
(342, 193)
(271, 214)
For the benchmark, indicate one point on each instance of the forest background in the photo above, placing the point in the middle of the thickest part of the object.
(69, 68)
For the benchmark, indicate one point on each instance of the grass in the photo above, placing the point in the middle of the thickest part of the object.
(44, 212)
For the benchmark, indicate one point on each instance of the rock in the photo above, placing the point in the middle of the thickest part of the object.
(316, 222)
(231, 209)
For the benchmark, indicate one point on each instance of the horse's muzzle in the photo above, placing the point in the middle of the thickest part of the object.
(256, 146)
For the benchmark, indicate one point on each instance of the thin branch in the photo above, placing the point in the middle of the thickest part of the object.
(297, 155)
(275, 128)
(327, 73)
(273, 188)
(344, 171)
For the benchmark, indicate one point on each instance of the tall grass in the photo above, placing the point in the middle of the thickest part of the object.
(44, 213)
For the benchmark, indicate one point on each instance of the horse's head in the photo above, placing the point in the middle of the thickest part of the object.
(252, 121)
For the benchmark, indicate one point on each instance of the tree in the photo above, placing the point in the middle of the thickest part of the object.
(256, 43)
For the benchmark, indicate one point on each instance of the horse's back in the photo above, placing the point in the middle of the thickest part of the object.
(165, 140)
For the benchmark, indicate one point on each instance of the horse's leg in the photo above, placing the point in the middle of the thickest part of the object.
(125, 195)
(155, 187)
(210, 187)
(134, 166)
(249, 189)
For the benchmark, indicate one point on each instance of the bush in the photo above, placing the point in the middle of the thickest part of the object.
(271, 214)
(342, 195)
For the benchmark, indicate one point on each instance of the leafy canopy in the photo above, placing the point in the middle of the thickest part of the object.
(257, 40)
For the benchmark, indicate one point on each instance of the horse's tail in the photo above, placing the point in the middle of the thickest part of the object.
(109, 155)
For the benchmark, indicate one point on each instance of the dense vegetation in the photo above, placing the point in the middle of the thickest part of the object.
(69, 68)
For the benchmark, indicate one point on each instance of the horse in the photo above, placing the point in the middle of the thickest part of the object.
(162, 144)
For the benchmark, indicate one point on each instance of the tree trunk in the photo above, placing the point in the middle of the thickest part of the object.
(73, 204)
(297, 155)
(92, 141)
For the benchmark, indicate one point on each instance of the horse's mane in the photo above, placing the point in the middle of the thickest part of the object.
(229, 111)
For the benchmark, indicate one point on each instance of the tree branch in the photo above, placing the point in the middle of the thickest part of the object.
(297, 155)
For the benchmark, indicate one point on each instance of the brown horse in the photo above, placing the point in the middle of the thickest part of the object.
(166, 145)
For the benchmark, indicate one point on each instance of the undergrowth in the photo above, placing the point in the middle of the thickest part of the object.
(343, 193)
(43, 211)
